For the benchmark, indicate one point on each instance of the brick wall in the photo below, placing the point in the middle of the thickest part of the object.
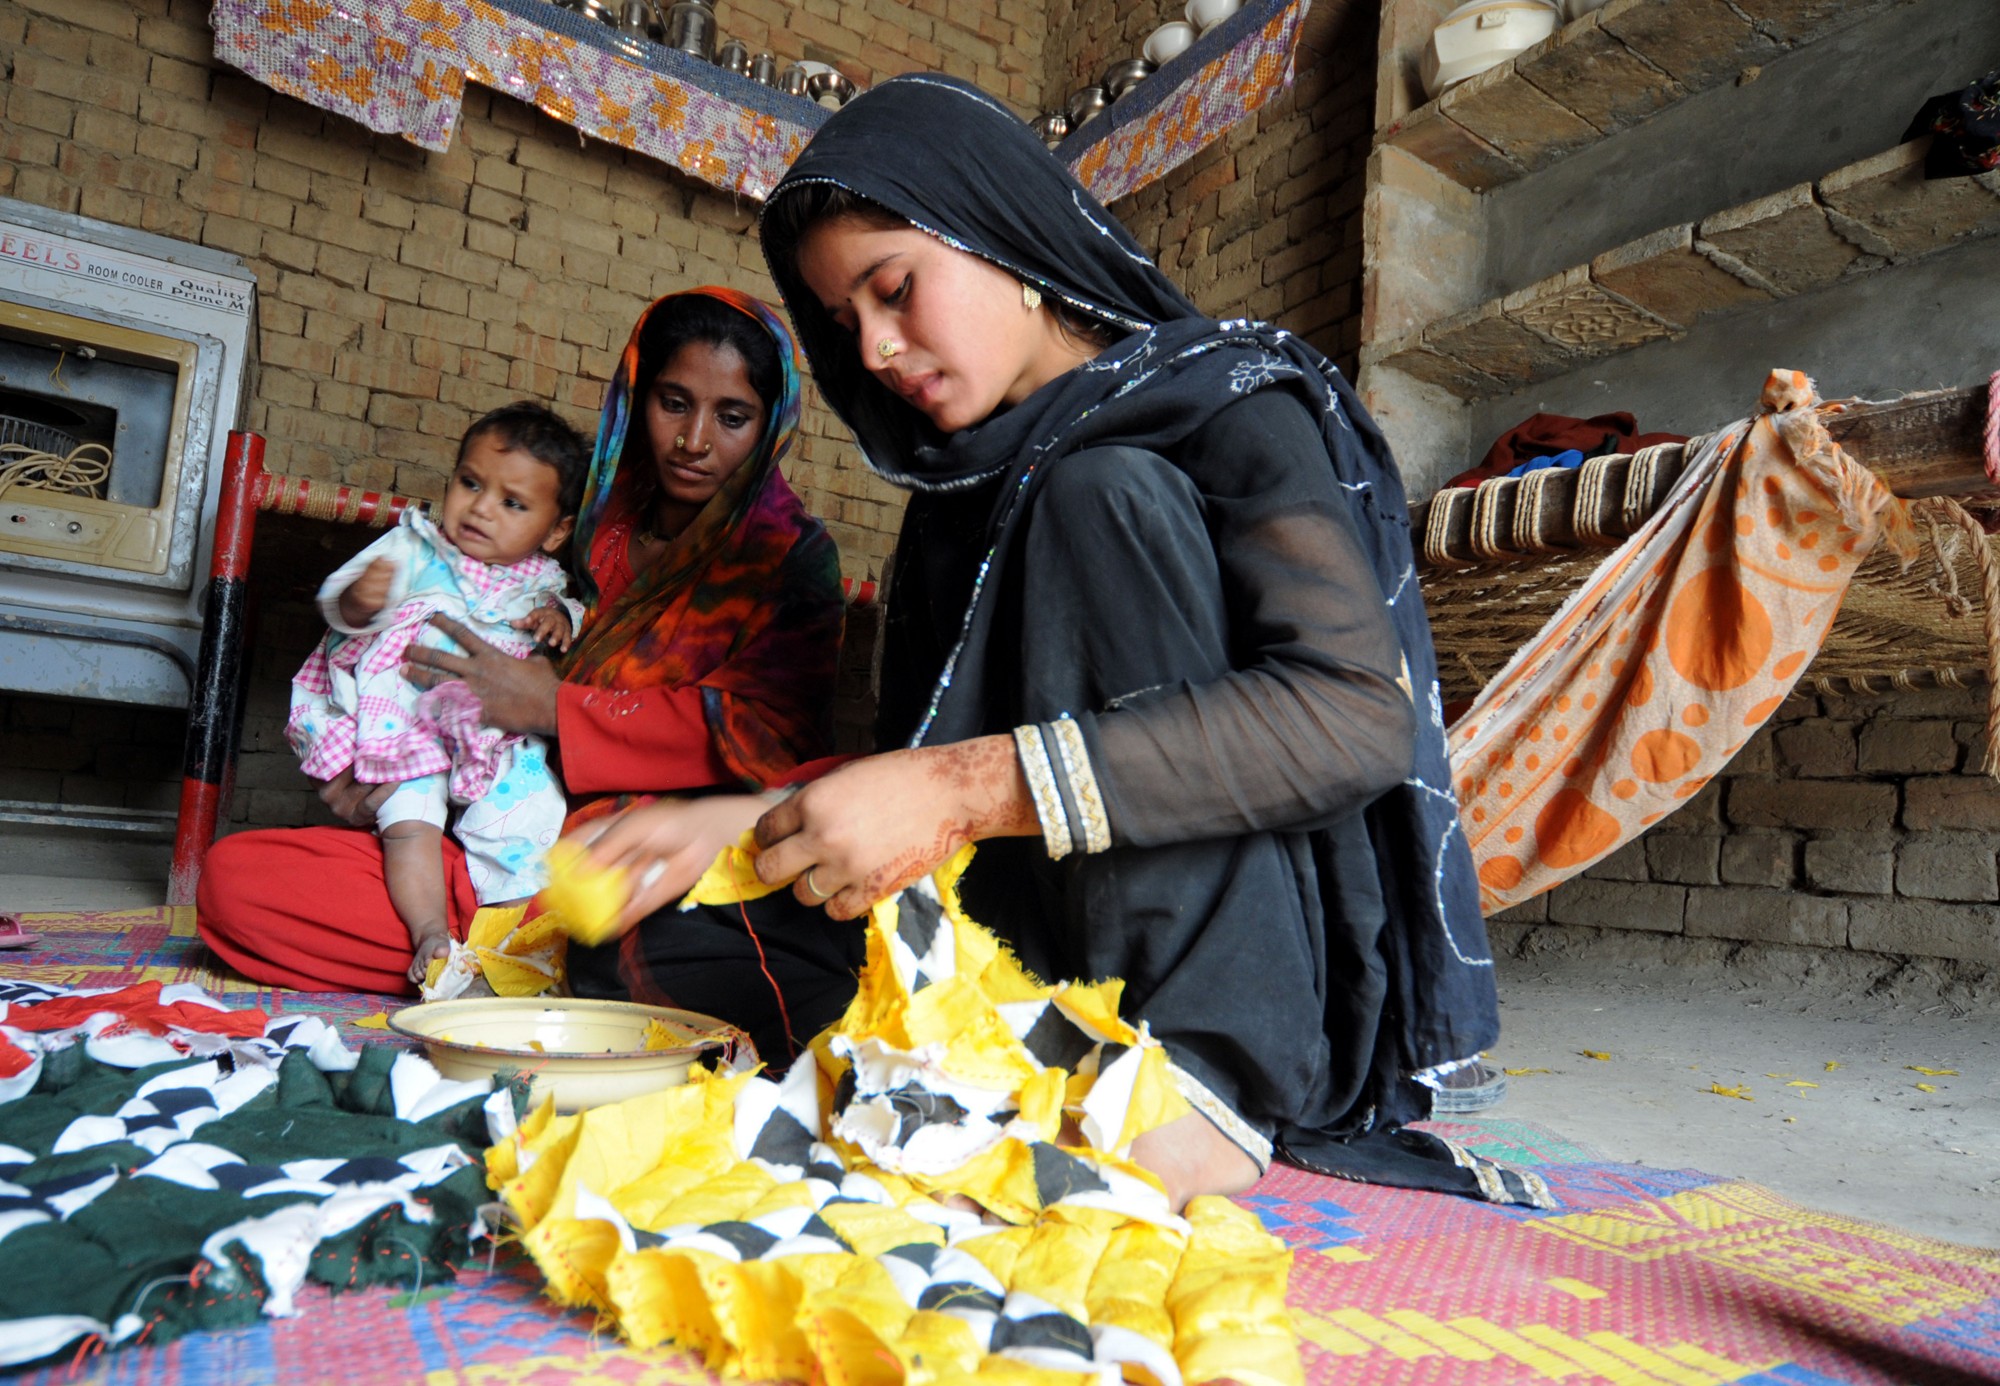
(1266, 222)
(402, 293)
(1851, 821)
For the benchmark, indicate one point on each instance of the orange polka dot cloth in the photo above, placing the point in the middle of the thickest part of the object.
(1674, 652)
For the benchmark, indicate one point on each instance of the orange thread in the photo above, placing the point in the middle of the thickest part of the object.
(783, 1014)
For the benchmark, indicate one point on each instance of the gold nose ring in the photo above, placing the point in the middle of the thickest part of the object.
(681, 442)
(886, 348)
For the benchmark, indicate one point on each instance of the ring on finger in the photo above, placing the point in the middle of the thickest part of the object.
(813, 886)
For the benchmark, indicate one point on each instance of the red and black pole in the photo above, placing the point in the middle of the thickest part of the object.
(215, 704)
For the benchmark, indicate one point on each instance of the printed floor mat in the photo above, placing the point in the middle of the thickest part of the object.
(1639, 1276)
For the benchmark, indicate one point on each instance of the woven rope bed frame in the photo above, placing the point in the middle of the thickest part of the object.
(1496, 560)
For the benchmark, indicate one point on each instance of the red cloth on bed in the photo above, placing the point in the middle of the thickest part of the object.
(1545, 435)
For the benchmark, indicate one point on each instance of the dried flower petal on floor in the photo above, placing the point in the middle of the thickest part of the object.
(1741, 1093)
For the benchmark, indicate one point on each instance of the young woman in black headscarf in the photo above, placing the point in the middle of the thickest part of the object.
(1155, 641)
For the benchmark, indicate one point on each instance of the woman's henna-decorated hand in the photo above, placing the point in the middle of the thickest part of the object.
(515, 695)
(875, 825)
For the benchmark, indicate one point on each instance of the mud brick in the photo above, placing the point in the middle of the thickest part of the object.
(1947, 866)
(1701, 42)
(1619, 905)
(1488, 340)
(1684, 859)
(1628, 863)
(1834, 804)
(1818, 749)
(1784, 237)
(1451, 149)
(1414, 359)
(1516, 118)
(1581, 318)
(1589, 72)
(1926, 928)
(1951, 801)
(1665, 275)
(1908, 748)
(1759, 859)
(1767, 916)
(1857, 865)
(1889, 199)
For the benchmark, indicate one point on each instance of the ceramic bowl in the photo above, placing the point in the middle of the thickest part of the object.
(1121, 77)
(1168, 41)
(581, 1053)
(1206, 14)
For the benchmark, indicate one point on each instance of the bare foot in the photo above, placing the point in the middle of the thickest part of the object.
(1192, 1157)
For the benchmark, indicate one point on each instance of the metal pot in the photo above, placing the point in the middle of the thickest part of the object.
(734, 57)
(691, 28)
(1084, 103)
(792, 81)
(1050, 127)
(830, 89)
(638, 19)
(594, 9)
(764, 68)
(1121, 77)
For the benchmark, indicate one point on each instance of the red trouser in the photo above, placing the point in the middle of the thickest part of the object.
(309, 908)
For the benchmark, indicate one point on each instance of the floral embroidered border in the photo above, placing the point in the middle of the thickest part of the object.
(1171, 123)
(401, 68)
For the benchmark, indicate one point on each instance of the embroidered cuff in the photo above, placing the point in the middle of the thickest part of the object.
(1040, 775)
(1057, 767)
(1247, 1137)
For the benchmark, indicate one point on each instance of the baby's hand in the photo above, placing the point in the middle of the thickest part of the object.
(427, 947)
(549, 625)
(367, 594)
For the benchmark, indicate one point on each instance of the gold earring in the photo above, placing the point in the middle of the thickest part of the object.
(1031, 296)
(886, 348)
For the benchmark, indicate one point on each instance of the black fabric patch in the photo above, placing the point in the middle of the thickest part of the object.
(783, 1141)
(916, 1108)
(918, 918)
(829, 1170)
(843, 1091)
(1055, 1042)
(236, 1177)
(922, 1255)
(959, 1297)
(749, 1240)
(173, 1101)
(642, 1239)
(816, 1226)
(280, 1034)
(1058, 1331)
(1057, 1176)
(1110, 1055)
(369, 1169)
(157, 1122)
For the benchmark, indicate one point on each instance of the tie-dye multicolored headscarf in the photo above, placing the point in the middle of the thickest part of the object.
(753, 569)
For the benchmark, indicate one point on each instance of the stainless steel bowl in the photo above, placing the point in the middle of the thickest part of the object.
(764, 68)
(830, 89)
(1050, 127)
(594, 9)
(1121, 77)
(1084, 103)
(691, 28)
(792, 81)
(734, 57)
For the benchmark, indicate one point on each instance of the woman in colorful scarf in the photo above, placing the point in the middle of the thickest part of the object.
(1154, 643)
(707, 659)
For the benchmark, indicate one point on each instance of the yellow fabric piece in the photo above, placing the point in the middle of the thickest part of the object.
(1090, 1233)
(731, 878)
(584, 900)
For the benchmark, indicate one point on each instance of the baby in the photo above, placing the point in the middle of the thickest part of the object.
(509, 505)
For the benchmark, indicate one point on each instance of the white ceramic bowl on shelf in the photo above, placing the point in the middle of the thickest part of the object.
(1206, 14)
(1168, 41)
(1483, 34)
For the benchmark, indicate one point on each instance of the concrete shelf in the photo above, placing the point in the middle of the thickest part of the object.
(1599, 75)
(1856, 220)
